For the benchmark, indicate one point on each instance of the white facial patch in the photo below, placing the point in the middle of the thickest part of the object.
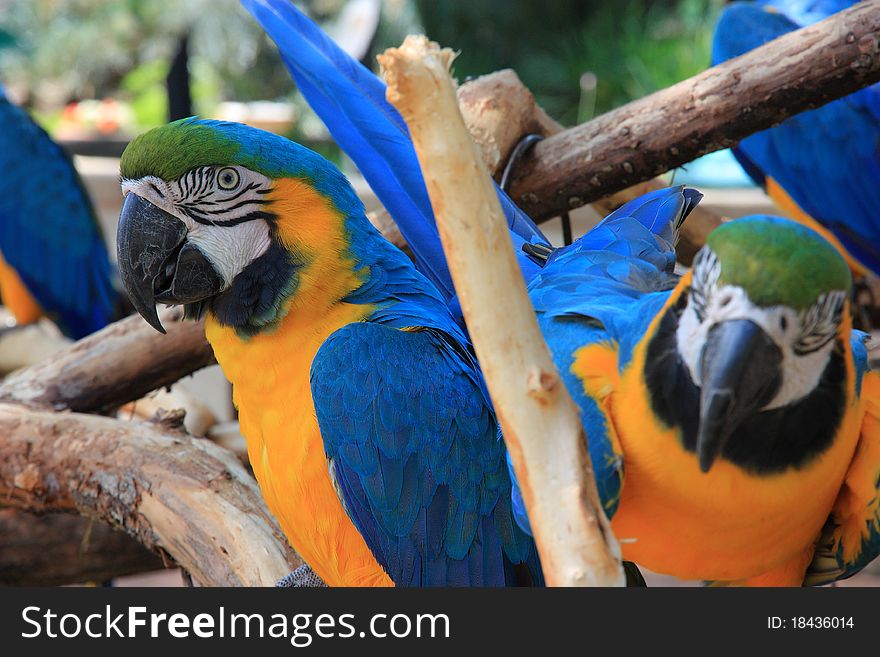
(800, 372)
(220, 207)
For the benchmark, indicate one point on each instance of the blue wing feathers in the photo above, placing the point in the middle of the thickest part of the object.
(604, 288)
(422, 475)
(48, 230)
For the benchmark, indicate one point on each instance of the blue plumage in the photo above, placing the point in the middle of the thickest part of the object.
(351, 101)
(607, 287)
(48, 230)
(828, 159)
(411, 435)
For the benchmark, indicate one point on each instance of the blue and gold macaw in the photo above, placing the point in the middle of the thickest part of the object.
(53, 259)
(368, 426)
(822, 167)
(731, 420)
(610, 306)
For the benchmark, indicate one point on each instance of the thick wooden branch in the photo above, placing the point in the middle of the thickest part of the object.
(121, 363)
(499, 111)
(60, 548)
(177, 495)
(540, 421)
(710, 111)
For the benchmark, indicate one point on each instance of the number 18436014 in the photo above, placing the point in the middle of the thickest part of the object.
(810, 622)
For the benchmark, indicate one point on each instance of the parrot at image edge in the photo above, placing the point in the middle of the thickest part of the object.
(821, 166)
(622, 259)
(53, 259)
(733, 428)
(368, 425)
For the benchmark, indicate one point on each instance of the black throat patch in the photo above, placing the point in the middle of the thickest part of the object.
(769, 442)
(254, 301)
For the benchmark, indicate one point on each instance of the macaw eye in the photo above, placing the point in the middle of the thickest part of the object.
(227, 178)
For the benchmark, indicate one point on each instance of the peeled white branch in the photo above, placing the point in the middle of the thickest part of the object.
(539, 419)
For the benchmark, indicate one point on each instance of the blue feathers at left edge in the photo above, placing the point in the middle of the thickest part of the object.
(351, 101)
(48, 230)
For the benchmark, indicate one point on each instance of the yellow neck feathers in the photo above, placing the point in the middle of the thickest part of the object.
(270, 377)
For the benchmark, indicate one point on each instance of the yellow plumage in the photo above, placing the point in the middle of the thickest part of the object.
(726, 524)
(16, 296)
(270, 377)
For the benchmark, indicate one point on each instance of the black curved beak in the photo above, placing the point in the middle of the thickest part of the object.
(156, 262)
(741, 372)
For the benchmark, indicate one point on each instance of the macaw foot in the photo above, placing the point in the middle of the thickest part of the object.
(302, 577)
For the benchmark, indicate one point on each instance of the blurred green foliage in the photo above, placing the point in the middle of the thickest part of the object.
(63, 50)
(75, 49)
(633, 47)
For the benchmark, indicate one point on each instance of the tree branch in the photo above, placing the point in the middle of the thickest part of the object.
(60, 548)
(713, 110)
(499, 111)
(118, 364)
(572, 533)
(177, 495)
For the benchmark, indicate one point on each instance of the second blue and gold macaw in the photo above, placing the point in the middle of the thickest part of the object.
(732, 425)
(368, 426)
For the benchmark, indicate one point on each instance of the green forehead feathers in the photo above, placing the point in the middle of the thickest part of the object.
(171, 150)
(777, 261)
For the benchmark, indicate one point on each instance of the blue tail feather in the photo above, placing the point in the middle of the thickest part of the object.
(350, 100)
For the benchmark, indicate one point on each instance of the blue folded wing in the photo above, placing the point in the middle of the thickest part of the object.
(350, 100)
(48, 230)
(416, 458)
(828, 159)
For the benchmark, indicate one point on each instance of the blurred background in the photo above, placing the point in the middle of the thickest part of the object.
(98, 68)
(95, 73)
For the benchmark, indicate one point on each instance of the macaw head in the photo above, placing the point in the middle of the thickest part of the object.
(225, 217)
(768, 300)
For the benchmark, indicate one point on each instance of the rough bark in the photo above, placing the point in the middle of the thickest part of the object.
(710, 111)
(499, 111)
(573, 535)
(60, 548)
(177, 495)
(121, 363)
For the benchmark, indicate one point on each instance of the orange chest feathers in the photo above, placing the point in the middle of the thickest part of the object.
(269, 373)
(726, 524)
(270, 377)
